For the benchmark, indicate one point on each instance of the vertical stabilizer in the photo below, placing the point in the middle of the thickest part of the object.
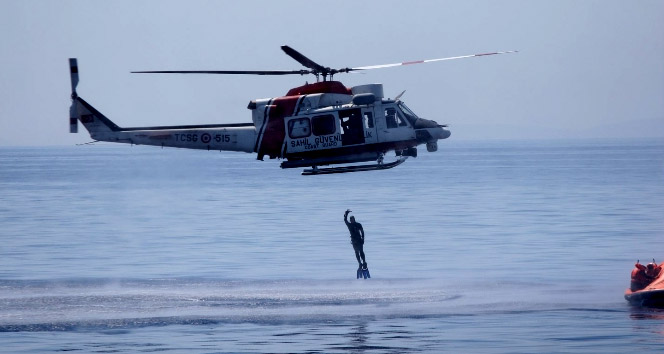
(100, 127)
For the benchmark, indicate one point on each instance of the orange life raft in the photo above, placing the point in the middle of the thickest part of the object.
(647, 285)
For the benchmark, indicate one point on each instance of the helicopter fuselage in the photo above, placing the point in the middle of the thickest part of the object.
(330, 124)
(317, 124)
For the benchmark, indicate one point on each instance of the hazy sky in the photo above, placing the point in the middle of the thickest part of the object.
(585, 68)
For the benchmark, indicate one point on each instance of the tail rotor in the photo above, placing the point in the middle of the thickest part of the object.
(73, 114)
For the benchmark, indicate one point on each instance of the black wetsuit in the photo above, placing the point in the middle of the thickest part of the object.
(357, 239)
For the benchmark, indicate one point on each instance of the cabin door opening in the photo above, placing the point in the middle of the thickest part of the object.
(352, 127)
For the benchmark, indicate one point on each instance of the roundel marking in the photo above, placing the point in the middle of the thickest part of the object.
(205, 138)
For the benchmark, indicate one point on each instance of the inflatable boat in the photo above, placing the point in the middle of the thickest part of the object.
(647, 286)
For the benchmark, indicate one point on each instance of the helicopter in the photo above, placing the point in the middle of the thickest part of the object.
(317, 124)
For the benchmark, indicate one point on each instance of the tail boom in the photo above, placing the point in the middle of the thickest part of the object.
(229, 137)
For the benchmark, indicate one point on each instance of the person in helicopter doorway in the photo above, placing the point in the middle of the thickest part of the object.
(357, 239)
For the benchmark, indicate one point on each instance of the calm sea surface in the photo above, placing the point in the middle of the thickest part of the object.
(498, 247)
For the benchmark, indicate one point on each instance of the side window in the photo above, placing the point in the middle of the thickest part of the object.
(368, 120)
(324, 125)
(299, 128)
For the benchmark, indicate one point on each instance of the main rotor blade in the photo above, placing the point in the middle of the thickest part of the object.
(427, 61)
(228, 72)
(316, 68)
(304, 60)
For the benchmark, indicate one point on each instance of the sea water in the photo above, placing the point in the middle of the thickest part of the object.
(489, 247)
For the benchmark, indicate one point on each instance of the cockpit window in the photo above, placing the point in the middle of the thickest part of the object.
(394, 118)
(391, 118)
(412, 117)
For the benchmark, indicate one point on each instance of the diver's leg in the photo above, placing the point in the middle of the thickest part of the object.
(365, 268)
(364, 259)
(359, 261)
(358, 249)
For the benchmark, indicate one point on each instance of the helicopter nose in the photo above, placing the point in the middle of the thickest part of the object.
(444, 133)
(428, 130)
(440, 132)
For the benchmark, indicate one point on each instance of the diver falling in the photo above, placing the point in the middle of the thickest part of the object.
(357, 240)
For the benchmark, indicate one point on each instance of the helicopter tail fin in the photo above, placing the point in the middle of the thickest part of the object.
(94, 121)
(99, 127)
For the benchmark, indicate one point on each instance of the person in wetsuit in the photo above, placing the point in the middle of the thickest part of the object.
(356, 238)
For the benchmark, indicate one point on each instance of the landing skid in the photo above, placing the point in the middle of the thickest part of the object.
(357, 168)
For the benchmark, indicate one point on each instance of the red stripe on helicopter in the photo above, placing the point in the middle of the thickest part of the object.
(412, 62)
(275, 130)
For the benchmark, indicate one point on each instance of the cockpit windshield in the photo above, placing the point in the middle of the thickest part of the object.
(412, 117)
